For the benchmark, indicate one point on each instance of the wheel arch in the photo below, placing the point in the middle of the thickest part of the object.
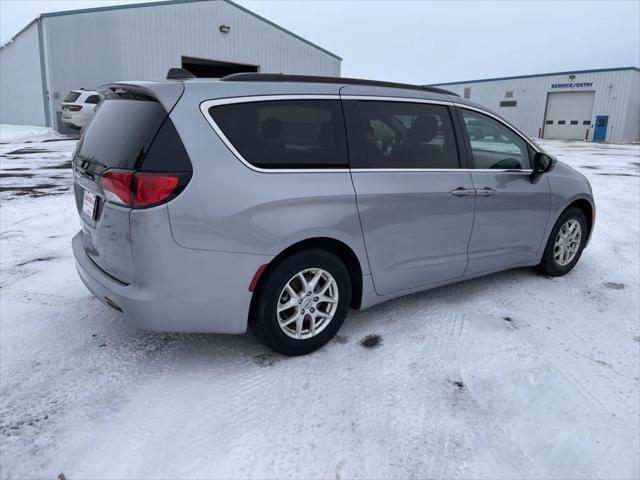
(582, 202)
(587, 208)
(332, 245)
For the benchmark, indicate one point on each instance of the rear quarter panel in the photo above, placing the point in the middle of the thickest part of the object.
(229, 207)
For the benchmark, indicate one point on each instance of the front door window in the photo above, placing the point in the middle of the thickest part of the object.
(493, 145)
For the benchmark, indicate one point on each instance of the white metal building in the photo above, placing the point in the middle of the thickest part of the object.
(87, 48)
(593, 105)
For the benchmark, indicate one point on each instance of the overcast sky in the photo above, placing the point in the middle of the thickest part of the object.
(431, 42)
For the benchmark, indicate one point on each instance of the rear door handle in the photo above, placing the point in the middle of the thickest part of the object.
(486, 192)
(463, 192)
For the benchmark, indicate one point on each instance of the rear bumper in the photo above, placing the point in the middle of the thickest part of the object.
(69, 123)
(194, 291)
(76, 120)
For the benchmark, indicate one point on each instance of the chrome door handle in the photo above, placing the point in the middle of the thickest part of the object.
(463, 192)
(486, 192)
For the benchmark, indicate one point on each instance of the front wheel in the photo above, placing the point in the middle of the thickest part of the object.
(565, 244)
(302, 302)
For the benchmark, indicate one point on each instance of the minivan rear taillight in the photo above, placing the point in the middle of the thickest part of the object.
(74, 108)
(140, 189)
(153, 189)
(117, 186)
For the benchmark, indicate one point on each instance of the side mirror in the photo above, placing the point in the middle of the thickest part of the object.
(542, 163)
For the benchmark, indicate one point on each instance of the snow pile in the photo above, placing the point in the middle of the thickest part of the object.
(26, 133)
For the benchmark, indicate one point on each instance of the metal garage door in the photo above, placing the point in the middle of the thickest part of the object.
(569, 115)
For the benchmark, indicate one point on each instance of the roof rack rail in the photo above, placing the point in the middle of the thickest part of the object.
(280, 77)
(179, 74)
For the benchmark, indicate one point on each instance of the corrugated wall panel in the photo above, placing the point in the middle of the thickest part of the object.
(614, 96)
(21, 99)
(94, 48)
(632, 124)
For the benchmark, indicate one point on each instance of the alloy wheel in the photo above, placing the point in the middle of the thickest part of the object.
(567, 243)
(307, 303)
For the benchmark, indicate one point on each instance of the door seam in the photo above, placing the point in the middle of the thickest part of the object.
(473, 222)
(355, 193)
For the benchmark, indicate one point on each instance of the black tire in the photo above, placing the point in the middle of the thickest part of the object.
(549, 265)
(264, 319)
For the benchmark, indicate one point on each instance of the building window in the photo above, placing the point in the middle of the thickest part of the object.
(549, 122)
(467, 92)
(587, 122)
(574, 122)
(508, 94)
(508, 103)
(561, 122)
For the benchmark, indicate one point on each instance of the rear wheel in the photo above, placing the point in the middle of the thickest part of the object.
(565, 244)
(302, 302)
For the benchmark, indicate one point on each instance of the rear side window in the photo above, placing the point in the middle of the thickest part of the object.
(71, 97)
(93, 99)
(399, 135)
(134, 133)
(285, 133)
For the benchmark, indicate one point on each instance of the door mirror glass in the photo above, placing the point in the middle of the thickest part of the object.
(542, 162)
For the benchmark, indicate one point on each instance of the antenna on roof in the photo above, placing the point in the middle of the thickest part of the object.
(179, 74)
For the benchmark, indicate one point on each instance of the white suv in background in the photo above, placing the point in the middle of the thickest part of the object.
(78, 107)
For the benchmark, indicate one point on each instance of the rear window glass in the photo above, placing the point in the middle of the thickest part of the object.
(71, 97)
(285, 133)
(167, 153)
(121, 132)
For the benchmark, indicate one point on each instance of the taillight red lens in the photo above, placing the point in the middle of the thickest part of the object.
(117, 186)
(152, 189)
(137, 190)
(74, 108)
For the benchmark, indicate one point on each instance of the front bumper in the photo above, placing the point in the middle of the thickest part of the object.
(198, 291)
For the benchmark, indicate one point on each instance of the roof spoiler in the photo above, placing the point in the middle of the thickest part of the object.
(179, 74)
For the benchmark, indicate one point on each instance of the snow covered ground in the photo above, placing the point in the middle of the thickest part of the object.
(510, 376)
(27, 133)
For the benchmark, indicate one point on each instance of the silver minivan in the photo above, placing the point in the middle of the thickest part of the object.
(279, 202)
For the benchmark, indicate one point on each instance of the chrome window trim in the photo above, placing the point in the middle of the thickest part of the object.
(445, 170)
(506, 170)
(504, 122)
(207, 104)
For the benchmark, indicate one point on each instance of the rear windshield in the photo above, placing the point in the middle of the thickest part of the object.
(121, 132)
(71, 97)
